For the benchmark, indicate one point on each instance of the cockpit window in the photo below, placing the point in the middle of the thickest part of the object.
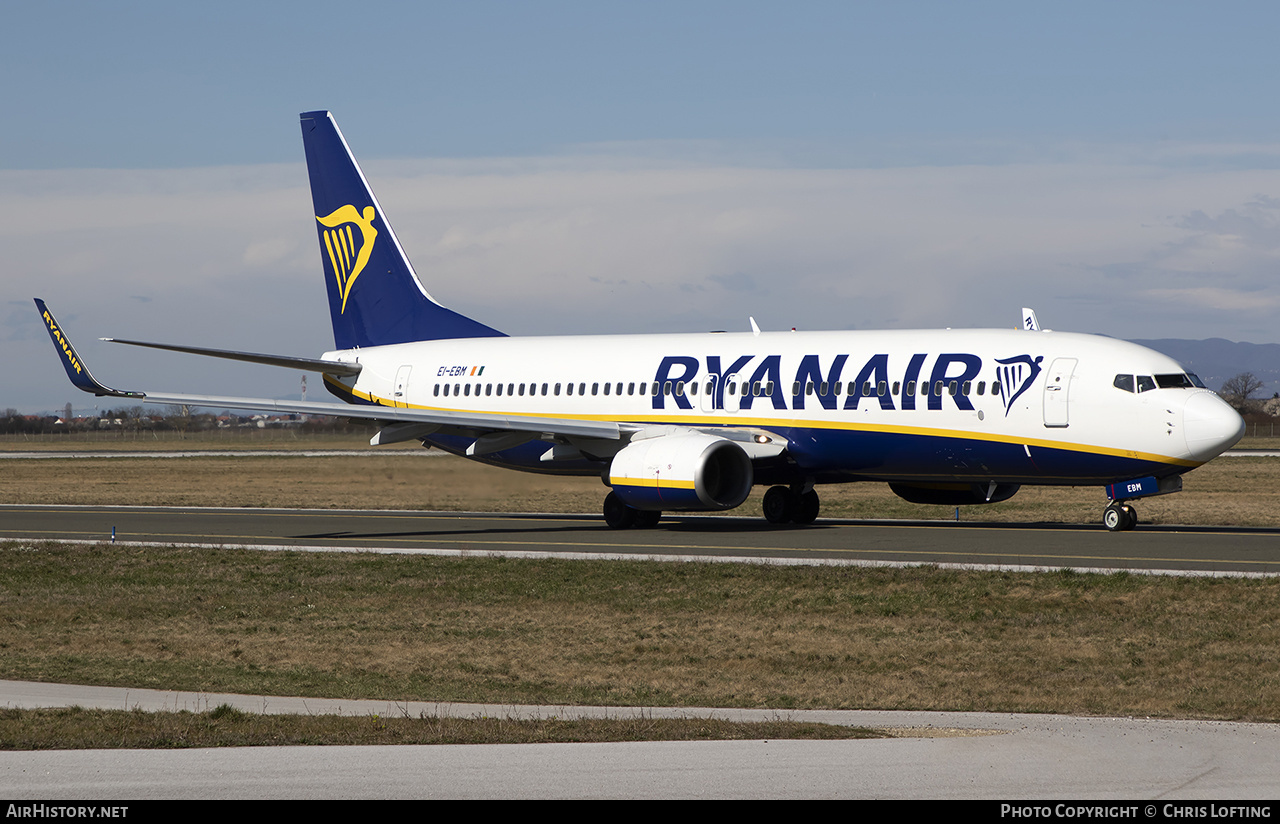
(1178, 381)
(1146, 382)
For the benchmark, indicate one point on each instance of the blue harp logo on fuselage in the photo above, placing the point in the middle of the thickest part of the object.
(347, 253)
(1017, 375)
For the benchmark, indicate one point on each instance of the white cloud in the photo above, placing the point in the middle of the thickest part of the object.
(228, 256)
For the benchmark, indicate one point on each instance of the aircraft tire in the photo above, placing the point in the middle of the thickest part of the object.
(805, 510)
(1131, 517)
(777, 505)
(617, 514)
(1118, 518)
(647, 518)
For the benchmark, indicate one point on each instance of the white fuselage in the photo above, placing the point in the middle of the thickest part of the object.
(908, 405)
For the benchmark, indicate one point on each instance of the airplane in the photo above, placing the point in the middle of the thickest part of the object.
(691, 422)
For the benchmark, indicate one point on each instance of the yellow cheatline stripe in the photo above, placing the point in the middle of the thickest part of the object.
(649, 483)
(768, 423)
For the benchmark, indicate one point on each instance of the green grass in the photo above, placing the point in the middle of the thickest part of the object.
(225, 726)
(495, 630)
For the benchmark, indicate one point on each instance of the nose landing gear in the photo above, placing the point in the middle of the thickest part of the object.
(1119, 517)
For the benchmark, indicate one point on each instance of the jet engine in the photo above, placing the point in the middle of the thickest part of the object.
(689, 471)
(954, 494)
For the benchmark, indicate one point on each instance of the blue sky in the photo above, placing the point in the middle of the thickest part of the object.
(559, 167)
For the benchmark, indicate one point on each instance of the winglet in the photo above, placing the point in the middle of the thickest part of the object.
(1029, 321)
(77, 371)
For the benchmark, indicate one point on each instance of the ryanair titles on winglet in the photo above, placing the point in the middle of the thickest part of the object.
(1018, 374)
(67, 351)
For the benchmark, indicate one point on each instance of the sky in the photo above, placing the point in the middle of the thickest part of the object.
(594, 167)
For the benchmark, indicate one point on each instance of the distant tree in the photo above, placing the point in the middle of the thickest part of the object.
(1238, 391)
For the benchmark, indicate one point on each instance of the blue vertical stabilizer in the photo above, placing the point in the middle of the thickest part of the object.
(375, 297)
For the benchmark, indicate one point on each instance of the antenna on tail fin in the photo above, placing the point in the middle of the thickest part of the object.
(375, 297)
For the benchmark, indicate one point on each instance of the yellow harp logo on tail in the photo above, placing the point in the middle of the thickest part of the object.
(347, 258)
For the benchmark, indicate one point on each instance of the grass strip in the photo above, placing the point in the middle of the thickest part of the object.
(635, 633)
(226, 726)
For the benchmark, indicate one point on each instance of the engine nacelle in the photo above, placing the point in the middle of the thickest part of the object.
(689, 471)
(954, 494)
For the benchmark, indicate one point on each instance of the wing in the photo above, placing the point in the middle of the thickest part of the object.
(403, 423)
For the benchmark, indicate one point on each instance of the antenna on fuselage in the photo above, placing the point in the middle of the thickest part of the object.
(755, 330)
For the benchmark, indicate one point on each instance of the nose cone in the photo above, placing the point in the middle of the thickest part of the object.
(1211, 426)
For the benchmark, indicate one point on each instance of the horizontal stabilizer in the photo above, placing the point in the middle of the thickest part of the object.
(305, 364)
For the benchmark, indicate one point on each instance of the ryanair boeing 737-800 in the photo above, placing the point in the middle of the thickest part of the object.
(691, 422)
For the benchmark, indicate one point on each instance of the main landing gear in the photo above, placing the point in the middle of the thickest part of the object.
(620, 516)
(1119, 517)
(790, 505)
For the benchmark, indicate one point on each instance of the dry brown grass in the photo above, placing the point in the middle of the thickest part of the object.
(214, 440)
(1228, 491)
